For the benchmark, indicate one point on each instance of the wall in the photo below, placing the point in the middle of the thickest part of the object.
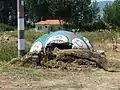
(47, 27)
(41, 27)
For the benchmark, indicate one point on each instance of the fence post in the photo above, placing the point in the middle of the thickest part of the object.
(21, 41)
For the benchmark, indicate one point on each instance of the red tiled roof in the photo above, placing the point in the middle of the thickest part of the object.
(50, 22)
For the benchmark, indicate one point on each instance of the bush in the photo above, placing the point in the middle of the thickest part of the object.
(8, 48)
(7, 51)
(4, 27)
(93, 26)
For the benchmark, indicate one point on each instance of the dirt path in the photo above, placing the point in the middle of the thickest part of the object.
(97, 80)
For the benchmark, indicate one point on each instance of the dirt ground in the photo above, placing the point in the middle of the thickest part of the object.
(55, 79)
(63, 80)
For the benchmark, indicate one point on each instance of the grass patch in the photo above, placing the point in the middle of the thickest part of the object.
(5, 27)
(100, 36)
(30, 36)
(20, 72)
(7, 51)
(8, 48)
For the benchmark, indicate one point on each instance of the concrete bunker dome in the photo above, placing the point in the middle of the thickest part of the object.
(61, 39)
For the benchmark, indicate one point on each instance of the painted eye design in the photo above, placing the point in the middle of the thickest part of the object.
(57, 39)
(36, 47)
(78, 43)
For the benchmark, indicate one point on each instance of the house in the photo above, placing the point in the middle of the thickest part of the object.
(49, 25)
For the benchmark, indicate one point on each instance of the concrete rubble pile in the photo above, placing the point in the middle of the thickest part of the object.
(70, 59)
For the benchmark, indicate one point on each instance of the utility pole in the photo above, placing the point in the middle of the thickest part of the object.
(21, 41)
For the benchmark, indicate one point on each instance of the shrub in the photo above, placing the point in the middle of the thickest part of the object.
(8, 48)
(7, 51)
(5, 27)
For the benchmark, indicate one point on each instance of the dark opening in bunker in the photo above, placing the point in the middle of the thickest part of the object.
(51, 46)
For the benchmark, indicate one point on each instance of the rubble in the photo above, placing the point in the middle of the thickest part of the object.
(69, 59)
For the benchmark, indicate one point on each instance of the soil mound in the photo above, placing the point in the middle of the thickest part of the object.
(78, 59)
(70, 59)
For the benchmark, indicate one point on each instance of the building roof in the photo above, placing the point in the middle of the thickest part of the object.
(51, 22)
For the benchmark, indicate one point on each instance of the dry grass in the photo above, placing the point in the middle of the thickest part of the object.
(19, 78)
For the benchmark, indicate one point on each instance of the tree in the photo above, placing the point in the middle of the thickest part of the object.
(8, 7)
(37, 9)
(111, 13)
(77, 12)
(64, 9)
(84, 12)
(56, 9)
(95, 11)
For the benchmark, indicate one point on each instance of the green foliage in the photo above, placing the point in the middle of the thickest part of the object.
(4, 27)
(31, 36)
(7, 7)
(93, 26)
(7, 50)
(8, 43)
(112, 13)
(44, 9)
(84, 13)
(77, 12)
(99, 25)
(36, 9)
(95, 10)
